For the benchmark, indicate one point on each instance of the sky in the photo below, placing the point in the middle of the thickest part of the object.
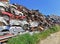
(46, 7)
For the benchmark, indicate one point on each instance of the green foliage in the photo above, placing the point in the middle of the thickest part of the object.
(35, 38)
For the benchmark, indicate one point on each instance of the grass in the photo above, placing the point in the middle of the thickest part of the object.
(35, 38)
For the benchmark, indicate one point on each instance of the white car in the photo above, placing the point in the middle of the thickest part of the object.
(4, 29)
(15, 11)
(3, 6)
(16, 29)
(34, 24)
(22, 23)
(3, 24)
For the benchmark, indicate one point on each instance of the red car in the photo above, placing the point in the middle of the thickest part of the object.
(7, 15)
(16, 12)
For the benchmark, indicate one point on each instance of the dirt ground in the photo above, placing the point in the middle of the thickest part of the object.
(52, 39)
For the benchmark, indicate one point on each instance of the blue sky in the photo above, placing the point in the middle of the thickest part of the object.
(46, 7)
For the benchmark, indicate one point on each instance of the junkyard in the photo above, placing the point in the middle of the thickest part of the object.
(16, 20)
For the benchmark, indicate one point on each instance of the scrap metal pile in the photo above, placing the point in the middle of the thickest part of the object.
(16, 18)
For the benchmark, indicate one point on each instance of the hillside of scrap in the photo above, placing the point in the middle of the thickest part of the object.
(16, 18)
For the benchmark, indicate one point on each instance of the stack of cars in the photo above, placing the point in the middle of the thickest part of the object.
(15, 18)
(7, 15)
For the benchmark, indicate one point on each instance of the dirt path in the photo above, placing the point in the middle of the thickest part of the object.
(52, 39)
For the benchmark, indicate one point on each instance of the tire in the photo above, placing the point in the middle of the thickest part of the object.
(13, 31)
(25, 27)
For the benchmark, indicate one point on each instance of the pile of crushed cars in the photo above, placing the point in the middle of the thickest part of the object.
(15, 18)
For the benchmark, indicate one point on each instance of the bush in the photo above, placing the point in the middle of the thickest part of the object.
(35, 38)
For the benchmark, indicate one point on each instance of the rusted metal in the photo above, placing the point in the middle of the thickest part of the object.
(6, 37)
(4, 0)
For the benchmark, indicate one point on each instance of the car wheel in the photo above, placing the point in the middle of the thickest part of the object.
(25, 27)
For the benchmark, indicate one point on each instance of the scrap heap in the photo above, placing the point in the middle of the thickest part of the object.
(17, 18)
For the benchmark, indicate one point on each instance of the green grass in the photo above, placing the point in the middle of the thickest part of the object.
(35, 38)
